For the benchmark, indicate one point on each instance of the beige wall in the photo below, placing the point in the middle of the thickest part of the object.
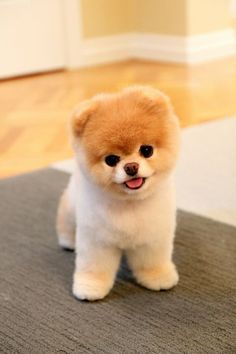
(208, 16)
(161, 16)
(106, 17)
(109, 17)
(170, 17)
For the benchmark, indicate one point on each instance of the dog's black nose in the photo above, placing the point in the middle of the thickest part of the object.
(131, 168)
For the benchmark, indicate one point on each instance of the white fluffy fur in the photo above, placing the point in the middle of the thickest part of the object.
(99, 214)
(144, 229)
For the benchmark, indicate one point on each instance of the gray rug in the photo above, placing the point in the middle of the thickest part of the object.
(39, 314)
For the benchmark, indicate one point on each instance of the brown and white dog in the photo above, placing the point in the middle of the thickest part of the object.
(121, 197)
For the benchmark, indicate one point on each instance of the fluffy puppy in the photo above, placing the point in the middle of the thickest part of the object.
(121, 197)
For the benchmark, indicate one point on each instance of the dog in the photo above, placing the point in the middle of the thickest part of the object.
(121, 196)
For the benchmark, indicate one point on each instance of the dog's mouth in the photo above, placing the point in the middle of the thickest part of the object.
(135, 183)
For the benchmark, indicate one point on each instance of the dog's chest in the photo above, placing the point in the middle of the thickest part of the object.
(127, 226)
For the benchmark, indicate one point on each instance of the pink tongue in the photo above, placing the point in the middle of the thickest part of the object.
(134, 183)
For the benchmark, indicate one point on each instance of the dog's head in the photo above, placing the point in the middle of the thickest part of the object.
(126, 143)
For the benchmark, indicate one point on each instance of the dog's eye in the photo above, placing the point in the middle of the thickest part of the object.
(146, 150)
(112, 160)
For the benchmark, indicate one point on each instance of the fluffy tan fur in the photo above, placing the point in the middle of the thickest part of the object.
(110, 217)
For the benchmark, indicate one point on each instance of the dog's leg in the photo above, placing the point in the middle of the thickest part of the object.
(152, 265)
(95, 271)
(66, 223)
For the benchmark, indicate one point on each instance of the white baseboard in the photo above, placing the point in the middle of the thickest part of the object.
(211, 46)
(106, 49)
(192, 49)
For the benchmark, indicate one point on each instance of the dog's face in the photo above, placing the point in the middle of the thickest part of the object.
(126, 143)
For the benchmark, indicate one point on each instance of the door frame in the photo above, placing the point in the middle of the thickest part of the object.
(73, 33)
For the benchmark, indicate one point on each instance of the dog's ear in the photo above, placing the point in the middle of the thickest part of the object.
(81, 115)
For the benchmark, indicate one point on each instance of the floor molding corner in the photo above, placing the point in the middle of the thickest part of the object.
(177, 49)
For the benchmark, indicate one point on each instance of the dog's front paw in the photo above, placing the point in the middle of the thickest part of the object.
(91, 285)
(67, 242)
(158, 278)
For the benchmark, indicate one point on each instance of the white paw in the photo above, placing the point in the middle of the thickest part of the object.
(66, 242)
(91, 286)
(163, 278)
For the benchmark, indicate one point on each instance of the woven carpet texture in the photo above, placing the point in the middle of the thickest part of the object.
(40, 315)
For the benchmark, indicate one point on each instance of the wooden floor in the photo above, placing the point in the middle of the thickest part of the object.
(34, 110)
